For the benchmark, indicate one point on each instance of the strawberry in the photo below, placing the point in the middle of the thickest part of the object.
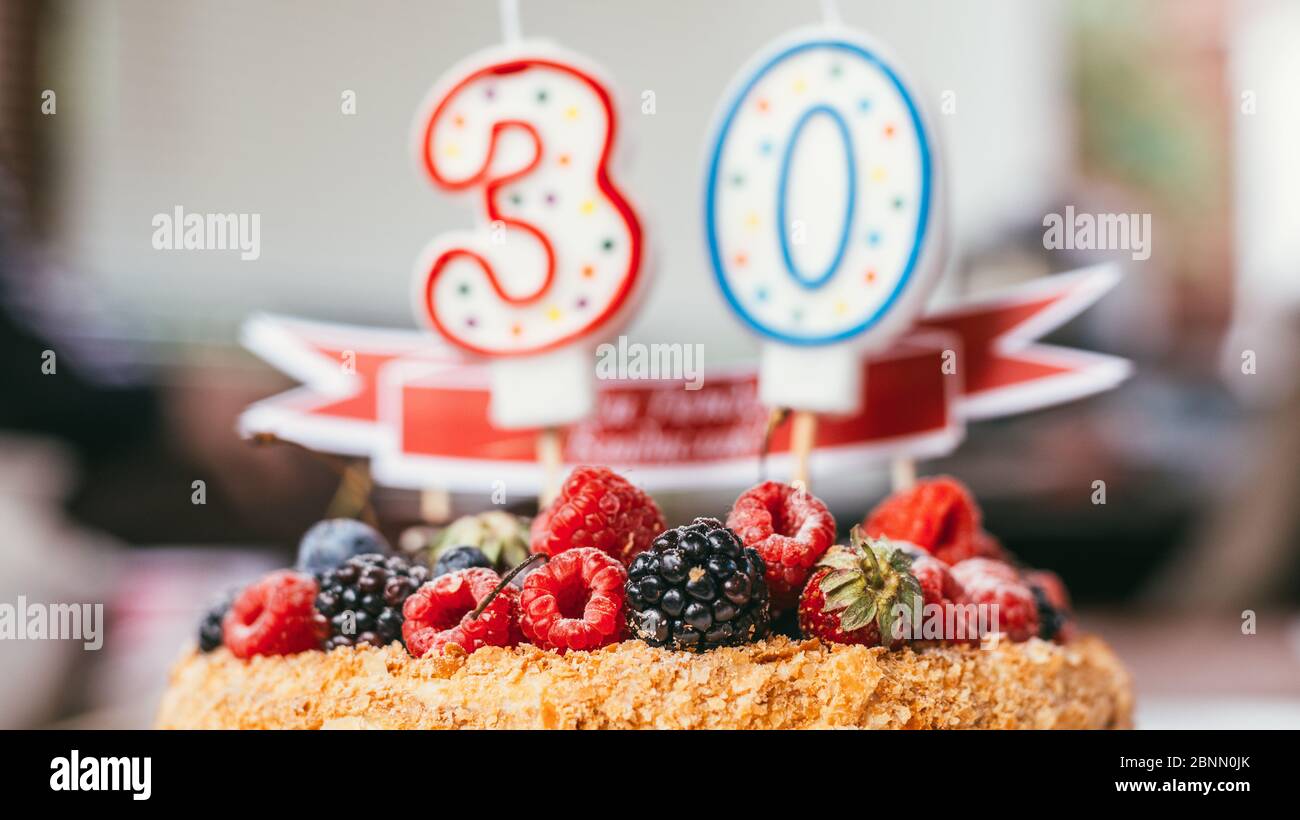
(854, 595)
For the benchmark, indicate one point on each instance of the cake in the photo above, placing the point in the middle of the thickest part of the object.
(594, 639)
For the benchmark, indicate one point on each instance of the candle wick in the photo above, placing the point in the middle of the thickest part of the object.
(511, 31)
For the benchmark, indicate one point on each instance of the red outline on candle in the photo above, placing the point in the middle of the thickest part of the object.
(491, 185)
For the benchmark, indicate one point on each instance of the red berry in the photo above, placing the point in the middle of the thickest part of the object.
(816, 622)
(938, 515)
(598, 508)
(998, 584)
(575, 601)
(937, 584)
(437, 614)
(790, 528)
(856, 592)
(275, 616)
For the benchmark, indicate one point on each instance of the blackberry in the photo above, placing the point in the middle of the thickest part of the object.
(363, 597)
(697, 587)
(210, 635)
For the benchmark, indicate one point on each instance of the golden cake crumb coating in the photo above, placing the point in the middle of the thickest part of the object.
(772, 684)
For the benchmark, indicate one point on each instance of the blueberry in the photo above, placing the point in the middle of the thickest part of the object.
(333, 541)
(458, 558)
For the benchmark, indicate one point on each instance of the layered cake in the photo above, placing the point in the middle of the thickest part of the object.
(599, 615)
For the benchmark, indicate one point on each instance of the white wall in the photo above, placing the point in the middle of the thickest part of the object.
(234, 106)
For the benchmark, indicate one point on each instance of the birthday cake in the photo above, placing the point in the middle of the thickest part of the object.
(920, 620)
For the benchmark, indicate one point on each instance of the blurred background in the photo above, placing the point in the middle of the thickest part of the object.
(1183, 109)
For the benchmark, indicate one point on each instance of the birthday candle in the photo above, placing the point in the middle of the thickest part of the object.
(528, 131)
(823, 211)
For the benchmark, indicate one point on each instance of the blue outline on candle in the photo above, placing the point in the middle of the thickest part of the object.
(923, 213)
(782, 194)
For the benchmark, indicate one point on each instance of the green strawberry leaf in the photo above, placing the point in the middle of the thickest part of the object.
(858, 615)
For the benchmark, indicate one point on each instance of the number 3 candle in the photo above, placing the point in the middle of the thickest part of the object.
(528, 132)
(822, 211)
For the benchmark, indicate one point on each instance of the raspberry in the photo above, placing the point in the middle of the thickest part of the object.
(598, 508)
(996, 583)
(937, 515)
(275, 616)
(790, 528)
(437, 614)
(574, 602)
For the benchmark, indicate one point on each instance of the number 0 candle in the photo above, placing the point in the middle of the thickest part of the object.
(823, 211)
(528, 132)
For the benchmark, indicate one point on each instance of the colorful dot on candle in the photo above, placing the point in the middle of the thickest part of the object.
(550, 198)
(516, 329)
(878, 174)
(458, 121)
(490, 93)
(800, 85)
(581, 304)
(873, 238)
(889, 131)
(864, 105)
(571, 112)
(761, 294)
(470, 321)
(737, 180)
(841, 308)
(553, 313)
(542, 95)
(563, 159)
(588, 207)
(741, 259)
(751, 220)
(797, 315)
(516, 199)
(607, 245)
(871, 277)
(588, 271)
(898, 203)
(463, 289)
(765, 147)
(836, 69)
(763, 104)
(452, 150)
